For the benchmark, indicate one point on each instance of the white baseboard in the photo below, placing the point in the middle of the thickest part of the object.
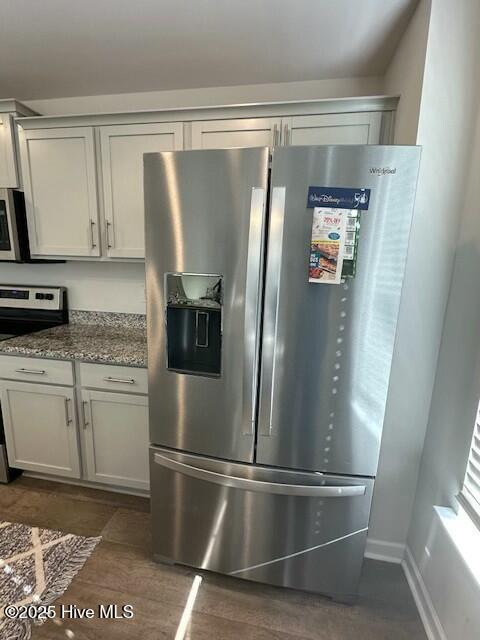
(430, 619)
(383, 550)
(86, 483)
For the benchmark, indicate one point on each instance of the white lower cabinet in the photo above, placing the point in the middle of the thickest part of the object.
(116, 438)
(43, 429)
(40, 428)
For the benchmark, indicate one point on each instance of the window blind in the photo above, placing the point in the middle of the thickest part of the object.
(470, 495)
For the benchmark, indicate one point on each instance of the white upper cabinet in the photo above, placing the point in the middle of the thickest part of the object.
(59, 174)
(240, 132)
(8, 163)
(336, 128)
(83, 175)
(122, 149)
(332, 128)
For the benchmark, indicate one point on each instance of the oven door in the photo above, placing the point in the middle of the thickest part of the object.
(9, 246)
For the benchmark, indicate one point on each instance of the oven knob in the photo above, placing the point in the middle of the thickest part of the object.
(49, 296)
(39, 296)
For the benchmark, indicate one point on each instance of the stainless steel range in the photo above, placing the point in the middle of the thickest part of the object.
(25, 309)
(273, 288)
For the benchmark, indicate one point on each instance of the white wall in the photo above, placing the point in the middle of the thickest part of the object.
(404, 76)
(445, 128)
(213, 96)
(93, 286)
(457, 384)
(454, 403)
(446, 584)
(402, 439)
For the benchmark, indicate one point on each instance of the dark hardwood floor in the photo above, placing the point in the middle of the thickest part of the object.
(121, 571)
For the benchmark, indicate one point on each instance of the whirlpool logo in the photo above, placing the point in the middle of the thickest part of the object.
(383, 171)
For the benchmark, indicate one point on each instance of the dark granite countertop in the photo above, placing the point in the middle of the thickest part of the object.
(103, 338)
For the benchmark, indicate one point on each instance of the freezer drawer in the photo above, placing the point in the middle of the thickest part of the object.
(293, 529)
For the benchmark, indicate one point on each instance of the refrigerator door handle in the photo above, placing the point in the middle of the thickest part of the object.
(260, 486)
(272, 291)
(252, 301)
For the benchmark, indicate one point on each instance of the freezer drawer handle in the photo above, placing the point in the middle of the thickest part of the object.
(259, 485)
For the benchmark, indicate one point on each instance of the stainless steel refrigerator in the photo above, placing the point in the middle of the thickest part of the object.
(267, 391)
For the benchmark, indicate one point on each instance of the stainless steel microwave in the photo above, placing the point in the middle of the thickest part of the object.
(13, 227)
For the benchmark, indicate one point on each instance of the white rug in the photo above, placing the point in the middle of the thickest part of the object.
(36, 567)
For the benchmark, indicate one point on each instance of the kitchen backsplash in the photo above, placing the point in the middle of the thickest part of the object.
(92, 286)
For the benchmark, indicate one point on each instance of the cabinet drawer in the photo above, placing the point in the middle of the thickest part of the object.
(114, 378)
(36, 370)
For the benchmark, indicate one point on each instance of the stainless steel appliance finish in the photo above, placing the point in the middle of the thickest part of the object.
(13, 226)
(25, 309)
(292, 529)
(205, 215)
(266, 472)
(327, 349)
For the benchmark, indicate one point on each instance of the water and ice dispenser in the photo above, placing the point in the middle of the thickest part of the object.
(194, 323)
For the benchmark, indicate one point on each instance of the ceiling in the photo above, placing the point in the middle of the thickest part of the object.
(61, 48)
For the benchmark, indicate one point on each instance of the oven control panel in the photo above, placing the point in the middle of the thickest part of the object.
(32, 297)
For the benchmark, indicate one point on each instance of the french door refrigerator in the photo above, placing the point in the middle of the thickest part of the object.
(268, 366)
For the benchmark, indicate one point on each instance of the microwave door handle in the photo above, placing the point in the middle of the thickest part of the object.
(252, 302)
(260, 486)
(11, 227)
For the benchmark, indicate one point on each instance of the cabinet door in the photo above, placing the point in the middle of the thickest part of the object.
(40, 428)
(60, 185)
(8, 164)
(242, 132)
(122, 150)
(332, 128)
(116, 438)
